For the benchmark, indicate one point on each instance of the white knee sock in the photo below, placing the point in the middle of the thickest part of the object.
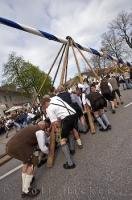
(27, 182)
(23, 180)
(79, 142)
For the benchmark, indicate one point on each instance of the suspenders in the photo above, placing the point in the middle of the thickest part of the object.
(64, 106)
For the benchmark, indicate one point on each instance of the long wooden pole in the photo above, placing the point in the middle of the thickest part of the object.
(66, 68)
(77, 64)
(51, 68)
(91, 121)
(44, 81)
(90, 118)
(59, 64)
(51, 155)
(64, 64)
(86, 60)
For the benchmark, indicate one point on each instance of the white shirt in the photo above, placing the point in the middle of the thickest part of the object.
(86, 88)
(88, 102)
(70, 90)
(121, 78)
(81, 86)
(42, 140)
(39, 109)
(126, 75)
(43, 117)
(31, 115)
(32, 110)
(84, 99)
(9, 121)
(110, 86)
(59, 111)
(98, 87)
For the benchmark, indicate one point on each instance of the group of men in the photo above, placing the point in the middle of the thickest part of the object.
(65, 111)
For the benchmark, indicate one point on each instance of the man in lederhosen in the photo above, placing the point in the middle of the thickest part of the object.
(59, 111)
(97, 103)
(22, 147)
(112, 80)
(67, 97)
(106, 90)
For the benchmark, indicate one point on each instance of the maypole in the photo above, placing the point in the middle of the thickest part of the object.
(66, 44)
(49, 36)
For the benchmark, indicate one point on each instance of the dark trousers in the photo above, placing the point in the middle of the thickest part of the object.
(68, 124)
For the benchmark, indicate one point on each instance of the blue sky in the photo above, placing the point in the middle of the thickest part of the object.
(84, 20)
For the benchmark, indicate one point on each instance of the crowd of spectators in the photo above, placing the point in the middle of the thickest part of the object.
(19, 119)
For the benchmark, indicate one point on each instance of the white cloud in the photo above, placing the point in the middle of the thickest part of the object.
(84, 20)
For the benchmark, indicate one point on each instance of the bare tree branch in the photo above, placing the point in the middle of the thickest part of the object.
(123, 26)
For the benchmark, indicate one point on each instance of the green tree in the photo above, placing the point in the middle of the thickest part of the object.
(25, 75)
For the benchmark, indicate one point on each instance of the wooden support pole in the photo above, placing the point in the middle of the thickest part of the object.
(59, 64)
(66, 68)
(77, 64)
(65, 75)
(4, 159)
(51, 68)
(64, 64)
(117, 67)
(91, 121)
(86, 61)
(51, 155)
(90, 118)
(43, 83)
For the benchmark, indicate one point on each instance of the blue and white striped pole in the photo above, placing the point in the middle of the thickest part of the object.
(30, 30)
(54, 38)
(41, 34)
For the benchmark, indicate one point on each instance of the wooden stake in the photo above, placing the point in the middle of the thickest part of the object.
(64, 64)
(91, 121)
(77, 64)
(90, 118)
(51, 155)
(43, 83)
(59, 64)
(86, 61)
(66, 68)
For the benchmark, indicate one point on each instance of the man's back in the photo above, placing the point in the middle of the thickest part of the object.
(58, 109)
(24, 136)
(65, 96)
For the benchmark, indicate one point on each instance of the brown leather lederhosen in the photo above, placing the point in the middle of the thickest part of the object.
(22, 145)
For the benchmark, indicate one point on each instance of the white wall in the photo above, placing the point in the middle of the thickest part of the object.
(12, 98)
